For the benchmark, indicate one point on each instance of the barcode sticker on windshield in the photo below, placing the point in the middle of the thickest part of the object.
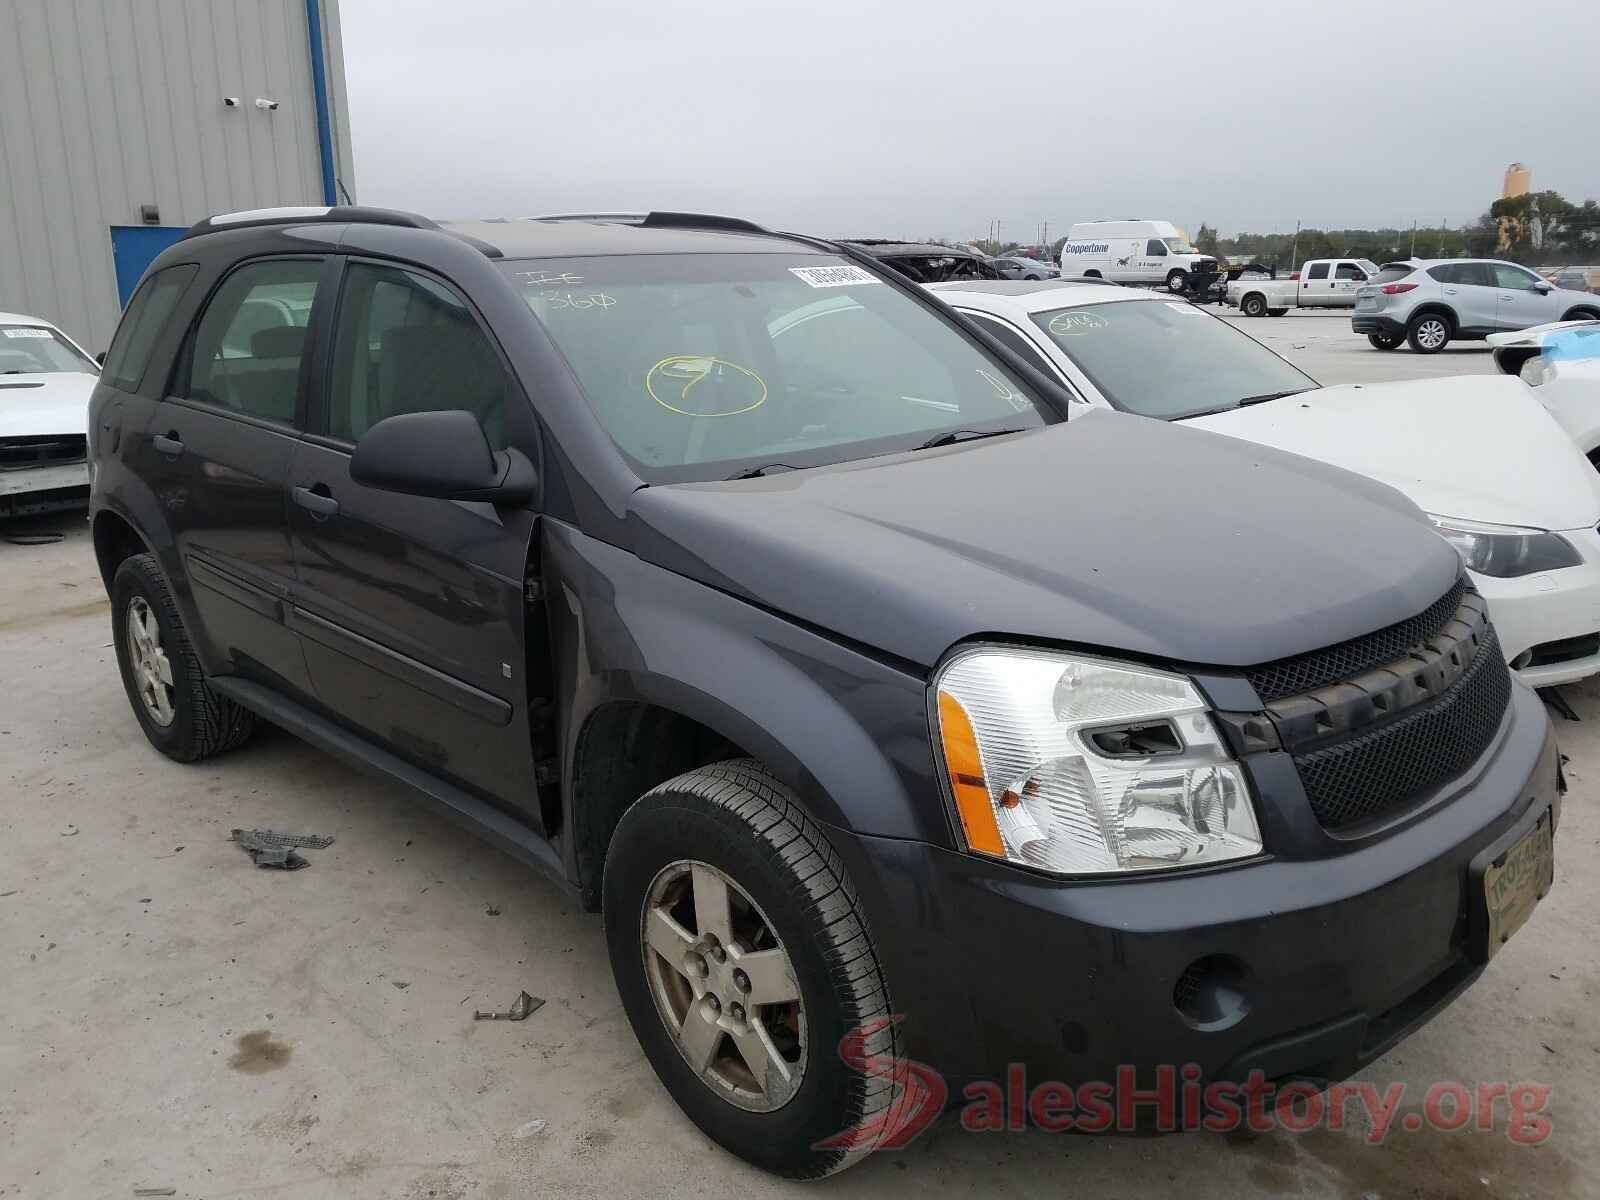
(26, 331)
(826, 277)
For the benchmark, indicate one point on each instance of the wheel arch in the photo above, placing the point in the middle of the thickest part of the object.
(1582, 312)
(115, 539)
(1439, 308)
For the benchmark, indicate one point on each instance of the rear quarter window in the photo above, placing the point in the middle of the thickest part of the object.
(1390, 274)
(146, 316)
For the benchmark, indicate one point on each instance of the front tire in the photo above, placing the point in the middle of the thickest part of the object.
(718, 891)
(1582, 314)
(1428, 332)
(175, 706)
(1253, 305)
(1177, 282)
(1384, 341)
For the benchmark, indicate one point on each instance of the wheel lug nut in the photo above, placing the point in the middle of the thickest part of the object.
(718, 954)
(694, 964)
(736, 1011)
(714, 1004)
(741, 980)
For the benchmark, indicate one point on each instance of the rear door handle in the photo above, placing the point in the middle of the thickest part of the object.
(168, 443)
(319, 503)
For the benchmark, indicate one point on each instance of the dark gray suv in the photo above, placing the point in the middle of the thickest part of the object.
(902, 729)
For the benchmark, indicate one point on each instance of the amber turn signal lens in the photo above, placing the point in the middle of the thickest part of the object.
(961, 759)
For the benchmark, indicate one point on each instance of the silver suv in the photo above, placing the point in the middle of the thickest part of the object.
(1430, 302)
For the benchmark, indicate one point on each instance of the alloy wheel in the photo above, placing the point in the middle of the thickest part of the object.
(152, 671)
(1432, 333)
(724, 986)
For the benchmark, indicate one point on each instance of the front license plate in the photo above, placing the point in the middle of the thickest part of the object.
(1514, 883)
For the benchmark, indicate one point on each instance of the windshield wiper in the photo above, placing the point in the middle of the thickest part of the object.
(1262, 399)
(953, 436)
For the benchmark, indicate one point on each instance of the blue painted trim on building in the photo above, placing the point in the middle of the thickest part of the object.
(319, 88)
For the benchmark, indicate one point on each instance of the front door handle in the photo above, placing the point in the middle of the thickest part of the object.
(318, 503)
(168, 443)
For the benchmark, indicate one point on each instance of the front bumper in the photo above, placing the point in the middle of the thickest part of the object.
(44, 489)
(1533, 613)
(1339, 957)
(1377, 323)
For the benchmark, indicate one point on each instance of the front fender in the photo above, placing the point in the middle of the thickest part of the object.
(846, 730)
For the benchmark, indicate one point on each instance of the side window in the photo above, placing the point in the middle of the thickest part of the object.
(252, 339)
(143, 322)
(1507, 276)
(1155, 246)
(406, 343)
(1014, 342)
(1318, 271)
(1350, 271)
(1446, 273)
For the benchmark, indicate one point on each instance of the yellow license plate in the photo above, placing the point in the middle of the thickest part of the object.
(1514, 884)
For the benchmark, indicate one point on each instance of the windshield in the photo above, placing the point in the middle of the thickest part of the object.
(703, 365)
(34, 350)
(1180, 246)
(1166, 358)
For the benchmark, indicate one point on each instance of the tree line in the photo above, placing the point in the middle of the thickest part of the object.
(1540, 229)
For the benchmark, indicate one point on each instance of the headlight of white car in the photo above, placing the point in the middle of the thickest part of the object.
(1535, 370)
(1506, 551)
(1078, 765)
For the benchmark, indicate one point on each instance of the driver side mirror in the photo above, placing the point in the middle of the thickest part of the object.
(1544, 287)
(445, 455)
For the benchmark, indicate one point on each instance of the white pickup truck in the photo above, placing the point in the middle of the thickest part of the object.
(1319, 283)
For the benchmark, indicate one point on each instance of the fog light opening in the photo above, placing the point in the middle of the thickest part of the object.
(1212, 993)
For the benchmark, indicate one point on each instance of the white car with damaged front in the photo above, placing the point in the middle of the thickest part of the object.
(45, 383)
(1561, 363)
(1494, 472)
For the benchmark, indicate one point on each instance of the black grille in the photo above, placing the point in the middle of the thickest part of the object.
(17, 453)
(1304, 672)
(1392, 767)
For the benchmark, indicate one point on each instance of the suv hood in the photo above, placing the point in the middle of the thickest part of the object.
(1478, 448)
(1110, 531)
(45, 404)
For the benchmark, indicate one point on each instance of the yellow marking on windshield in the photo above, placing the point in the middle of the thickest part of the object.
(693, 370)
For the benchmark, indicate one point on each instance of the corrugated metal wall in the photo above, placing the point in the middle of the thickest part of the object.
(106, 105)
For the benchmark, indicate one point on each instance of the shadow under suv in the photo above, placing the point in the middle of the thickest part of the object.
(732, 580)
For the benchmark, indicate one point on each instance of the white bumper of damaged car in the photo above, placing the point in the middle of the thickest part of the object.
(1549, 623)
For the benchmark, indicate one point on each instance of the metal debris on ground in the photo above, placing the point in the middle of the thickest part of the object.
(268, 848)
(155, 1191)
(520, 1009)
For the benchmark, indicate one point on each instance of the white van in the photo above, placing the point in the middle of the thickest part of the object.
(1134, 252)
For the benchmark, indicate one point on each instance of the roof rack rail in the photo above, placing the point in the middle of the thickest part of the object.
(317, 214)
(662, 220)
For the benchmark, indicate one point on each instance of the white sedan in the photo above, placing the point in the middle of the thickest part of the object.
(1561, 363)
(1496, 474)
(45, 382)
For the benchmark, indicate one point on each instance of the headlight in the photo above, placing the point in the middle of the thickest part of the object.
(1506, 551)
(1534, 371)
(1082, 766)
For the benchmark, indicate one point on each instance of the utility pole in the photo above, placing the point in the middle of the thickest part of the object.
(1413, 237)
(1294, 253)
(1044, 241)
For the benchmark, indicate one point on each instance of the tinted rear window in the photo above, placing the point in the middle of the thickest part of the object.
(1392, 272)
(142, 323)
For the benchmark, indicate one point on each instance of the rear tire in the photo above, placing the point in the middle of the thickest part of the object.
(1177, 282)
(1385, 341)
(1253, 305)
(1428, 332)
(727, 847)
(175, 706)
(1582, 314)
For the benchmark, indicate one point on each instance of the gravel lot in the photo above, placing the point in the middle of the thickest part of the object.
(177, 1018)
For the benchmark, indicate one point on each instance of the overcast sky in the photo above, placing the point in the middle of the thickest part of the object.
(936, 117)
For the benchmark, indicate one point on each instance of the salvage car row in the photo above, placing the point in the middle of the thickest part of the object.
(961, 673)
